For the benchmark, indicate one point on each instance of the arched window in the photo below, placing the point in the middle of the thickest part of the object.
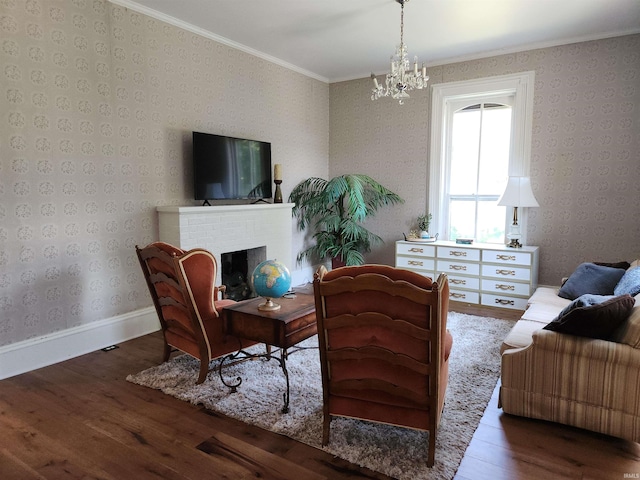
(481, 134)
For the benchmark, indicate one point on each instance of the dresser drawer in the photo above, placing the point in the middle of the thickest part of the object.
(506, 272)
(506, 258)
(464, 296)
(501, 286)
(459, 253)
(413, 263)
(504, 301)
(415, 249)
(450, 266)
(456, 281)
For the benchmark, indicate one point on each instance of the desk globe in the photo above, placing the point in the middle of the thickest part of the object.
(271, 279)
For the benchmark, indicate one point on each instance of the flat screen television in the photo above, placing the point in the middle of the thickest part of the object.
(228, 168)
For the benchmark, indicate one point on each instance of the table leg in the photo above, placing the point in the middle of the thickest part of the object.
(283, 365)
(282, 361)
(232, 356)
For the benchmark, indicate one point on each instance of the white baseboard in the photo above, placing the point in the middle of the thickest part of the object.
(43, 351)
(40, 352)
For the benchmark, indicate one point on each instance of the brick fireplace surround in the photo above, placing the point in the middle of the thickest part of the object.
(230, 228)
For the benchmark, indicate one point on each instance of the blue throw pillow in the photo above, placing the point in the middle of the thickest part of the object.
(593, 316)
(591, 278)
(629, 283)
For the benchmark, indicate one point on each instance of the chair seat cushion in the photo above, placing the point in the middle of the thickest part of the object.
(220, 304)
(448, 345)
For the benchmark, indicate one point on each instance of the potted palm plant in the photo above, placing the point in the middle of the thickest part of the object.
(335, 210)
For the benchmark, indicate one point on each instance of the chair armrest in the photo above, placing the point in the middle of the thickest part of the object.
(218, 292)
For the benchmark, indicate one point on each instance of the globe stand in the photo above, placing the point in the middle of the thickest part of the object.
(268, 306)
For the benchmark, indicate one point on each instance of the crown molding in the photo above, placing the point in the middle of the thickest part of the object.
(216, 38)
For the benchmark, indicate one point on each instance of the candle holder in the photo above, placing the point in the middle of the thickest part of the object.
(277, 198)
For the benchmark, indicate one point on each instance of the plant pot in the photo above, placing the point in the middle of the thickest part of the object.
(337, 262)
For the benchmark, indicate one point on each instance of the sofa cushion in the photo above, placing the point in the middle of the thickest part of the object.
(544, 305)
(544, 312)
(548, 296)
(591, 278)
(629, 283)
(593, 316)
(521, 334)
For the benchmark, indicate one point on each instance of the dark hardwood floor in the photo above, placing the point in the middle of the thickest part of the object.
(82, 419)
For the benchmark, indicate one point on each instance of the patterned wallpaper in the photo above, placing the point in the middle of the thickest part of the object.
(97, 106)
(585, 158)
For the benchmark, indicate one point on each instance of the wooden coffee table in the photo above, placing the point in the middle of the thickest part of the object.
(294, 322)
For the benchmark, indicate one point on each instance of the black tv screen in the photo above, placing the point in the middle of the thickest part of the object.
(227, 168)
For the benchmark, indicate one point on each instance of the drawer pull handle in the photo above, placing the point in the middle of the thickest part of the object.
(511, 258)
(416, 250)
(501, 286)
(457, 295)
(502, 301)
(458, 267)
(506, 272)
(457, 281)
(415, 263)
(453, 253)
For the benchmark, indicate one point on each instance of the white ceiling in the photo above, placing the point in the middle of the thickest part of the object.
(335, 40)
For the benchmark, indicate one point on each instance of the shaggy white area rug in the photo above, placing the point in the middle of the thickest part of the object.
(397, 452)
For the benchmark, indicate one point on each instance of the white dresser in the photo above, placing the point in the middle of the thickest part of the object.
(482, 274)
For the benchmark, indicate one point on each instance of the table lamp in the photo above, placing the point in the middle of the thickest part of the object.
(517, 194)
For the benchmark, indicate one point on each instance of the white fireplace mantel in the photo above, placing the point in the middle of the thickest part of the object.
(230, 228)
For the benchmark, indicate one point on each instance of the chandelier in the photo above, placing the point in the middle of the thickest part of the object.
(402, 77)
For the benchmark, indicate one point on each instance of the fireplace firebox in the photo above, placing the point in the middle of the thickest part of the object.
(237, 268)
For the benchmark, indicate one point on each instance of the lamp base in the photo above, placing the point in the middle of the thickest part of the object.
(514, 243)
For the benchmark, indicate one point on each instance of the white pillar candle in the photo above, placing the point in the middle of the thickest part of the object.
(375, 81)
(277, 172)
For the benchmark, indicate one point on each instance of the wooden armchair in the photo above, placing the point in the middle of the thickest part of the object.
(182, 286)
(384, 347)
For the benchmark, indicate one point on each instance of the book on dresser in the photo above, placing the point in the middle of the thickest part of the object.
(483, 274)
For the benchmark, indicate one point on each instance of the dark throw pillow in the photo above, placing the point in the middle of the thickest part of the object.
(593, 316)
(591, 278)
(629, 283)
(622, 265)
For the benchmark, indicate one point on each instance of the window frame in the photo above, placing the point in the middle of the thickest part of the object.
(520, 86)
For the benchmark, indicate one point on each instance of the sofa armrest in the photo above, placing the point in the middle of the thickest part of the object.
(579, 369)
(590, 349)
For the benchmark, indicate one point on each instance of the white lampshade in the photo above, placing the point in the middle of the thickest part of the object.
(518, 193)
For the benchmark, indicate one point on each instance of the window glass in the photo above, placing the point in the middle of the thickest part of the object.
(479, 166)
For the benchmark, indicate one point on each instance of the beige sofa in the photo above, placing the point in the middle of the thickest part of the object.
(579, 381)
